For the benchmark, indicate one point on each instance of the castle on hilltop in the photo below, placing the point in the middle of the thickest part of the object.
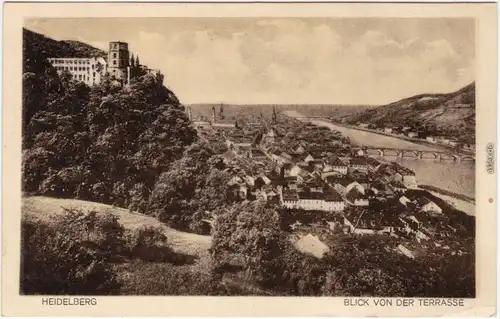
(119, 65)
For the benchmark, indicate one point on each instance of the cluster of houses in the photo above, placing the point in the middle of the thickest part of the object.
(317, 170)
(412, 132)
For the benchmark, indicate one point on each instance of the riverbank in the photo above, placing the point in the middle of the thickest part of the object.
(456, 177)
(408, 139)
(441, 191)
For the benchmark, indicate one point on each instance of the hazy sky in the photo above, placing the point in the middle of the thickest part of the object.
(268, 60)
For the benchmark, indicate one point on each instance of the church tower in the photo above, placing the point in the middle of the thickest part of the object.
(118, 60)
(213, 114)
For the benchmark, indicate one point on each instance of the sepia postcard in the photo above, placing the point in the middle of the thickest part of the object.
(249, 159)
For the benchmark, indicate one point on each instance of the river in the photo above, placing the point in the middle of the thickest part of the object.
(456, 177)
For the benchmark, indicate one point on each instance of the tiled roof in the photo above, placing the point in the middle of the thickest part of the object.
(331, 195)
(354, 194)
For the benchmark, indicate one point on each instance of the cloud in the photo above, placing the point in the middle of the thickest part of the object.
(299, 61)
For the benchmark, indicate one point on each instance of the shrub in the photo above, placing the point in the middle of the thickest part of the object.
(148, 243)
(70, 257)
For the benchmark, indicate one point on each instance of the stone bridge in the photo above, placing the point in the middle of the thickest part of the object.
(442, 156)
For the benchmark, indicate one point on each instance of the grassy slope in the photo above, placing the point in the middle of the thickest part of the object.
(43, 207)
(141, 277)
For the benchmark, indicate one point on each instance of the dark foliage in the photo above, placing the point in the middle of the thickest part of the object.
(71, 256)
(106, 143)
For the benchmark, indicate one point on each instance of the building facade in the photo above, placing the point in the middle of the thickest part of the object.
(119, 60)
(87, 70)
(118, 64)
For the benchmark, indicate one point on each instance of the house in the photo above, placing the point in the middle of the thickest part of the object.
(272, 197)
(249, 180)
(405, 251)
(270, 137)
(360, 222)
(428, 206)
(404, 200)
(291, 169)
(404, 175)
(359, 163)
(308, 158)
(453, 143)
(290, 198)
(300, 149)
(333, 200)
(357, 198)
(398, 186)
(344, 185)
(443, 141)
(358, 152)
(334, 165)
(413, 134)
(255, 153)
(291, 182)
(313, 200)
(363, 125)
(381, 189)
(228, 156)
(431, 139)
(388, 130)
(243, 192)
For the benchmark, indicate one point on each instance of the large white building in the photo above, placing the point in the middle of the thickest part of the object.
(87, 70)
(119, 64)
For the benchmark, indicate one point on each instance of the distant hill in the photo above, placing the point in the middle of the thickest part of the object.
(37, 48)
(449, 114)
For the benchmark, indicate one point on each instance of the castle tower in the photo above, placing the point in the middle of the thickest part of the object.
(118, 60)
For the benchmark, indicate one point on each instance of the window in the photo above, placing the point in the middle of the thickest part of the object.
(94, 74)
(114, 62)
(79, 77)
(114, 55)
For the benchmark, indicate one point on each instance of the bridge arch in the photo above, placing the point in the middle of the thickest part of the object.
(428, 155)
(390, 152)
(374, 151)
(410, 153)
(445, 156)
(467, 159)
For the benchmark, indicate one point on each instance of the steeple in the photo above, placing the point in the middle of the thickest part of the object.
(221, 112)
(213, 114)
(132, 61)
(137, 61)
